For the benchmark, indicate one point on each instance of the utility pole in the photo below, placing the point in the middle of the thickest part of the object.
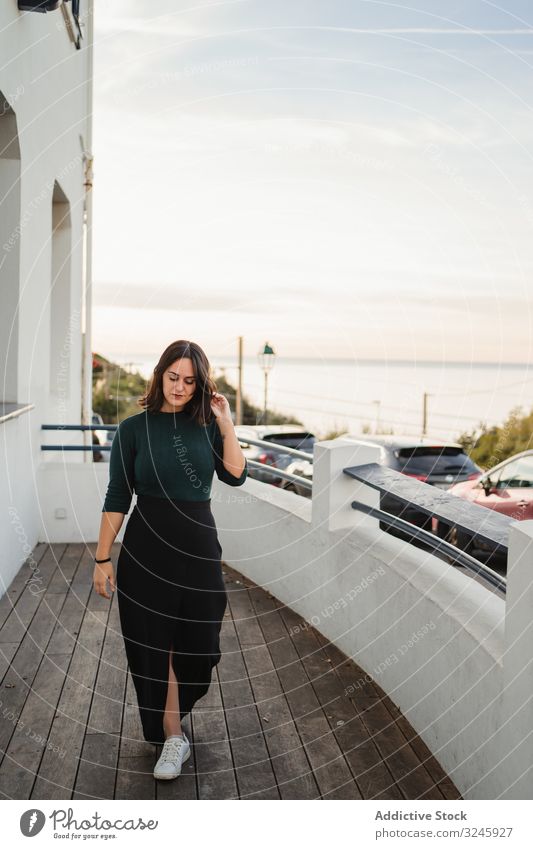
(238, 400)
(377, 403)
(425, 414)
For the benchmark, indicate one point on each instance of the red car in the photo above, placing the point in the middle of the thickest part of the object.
(507, 488)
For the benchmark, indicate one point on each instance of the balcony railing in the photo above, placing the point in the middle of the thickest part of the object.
(479, 523)
(263, 467)
(487, 526)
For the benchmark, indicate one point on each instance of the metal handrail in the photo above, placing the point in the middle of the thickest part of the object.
(79, 427)
(436, 543)
(276, 446)
(261, 443)
(93, 447)
(263, 467)
(281, 473)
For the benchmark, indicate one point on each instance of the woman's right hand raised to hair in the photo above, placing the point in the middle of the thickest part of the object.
(104, 572)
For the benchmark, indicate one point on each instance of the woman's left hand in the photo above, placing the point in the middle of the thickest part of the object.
(220, 407)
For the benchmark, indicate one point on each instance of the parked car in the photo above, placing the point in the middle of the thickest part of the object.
(437, 462)
(506, 488)
(302, 468)
(289, 435)
(101, 437)
(109, 434)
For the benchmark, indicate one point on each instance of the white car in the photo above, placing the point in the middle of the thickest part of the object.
(289, 435)
(100, 437)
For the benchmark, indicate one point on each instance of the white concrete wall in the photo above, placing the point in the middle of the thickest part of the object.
(20, 524)
(433, 638)
(43, 79)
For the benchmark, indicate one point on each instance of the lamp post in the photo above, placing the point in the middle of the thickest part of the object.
(266, 359)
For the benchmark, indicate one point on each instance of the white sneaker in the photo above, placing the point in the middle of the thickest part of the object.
(176, 750)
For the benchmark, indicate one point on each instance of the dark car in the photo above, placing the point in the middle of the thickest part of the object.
(437, 462)
(291, 436)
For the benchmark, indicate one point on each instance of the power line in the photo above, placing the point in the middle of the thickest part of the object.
(395, 423)
(485, 391)
(362, 403)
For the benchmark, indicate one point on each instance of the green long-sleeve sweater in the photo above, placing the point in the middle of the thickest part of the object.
(166, 455)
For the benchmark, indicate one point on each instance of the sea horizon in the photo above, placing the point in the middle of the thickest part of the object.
(370, 395)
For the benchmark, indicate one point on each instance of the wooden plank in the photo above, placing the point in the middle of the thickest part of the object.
(378, 713)
(65, 635)
(19, 677)
(135, 779)
(31, 732)
(40, 678)
(7, 653)
(18, 619)
(107, 706)
(370, 773)
(132, 742)
(289, 760)
(18, 584)
(329, 767)
(96, 775)
(214, 764)
(253, 770)
(97, 770)
(68, 568)
(56, 781)
(443, 782)
(410, 775)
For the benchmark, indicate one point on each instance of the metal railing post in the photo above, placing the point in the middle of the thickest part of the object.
(333, 491)
(516, 728)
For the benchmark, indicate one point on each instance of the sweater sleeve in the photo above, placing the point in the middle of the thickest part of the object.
(222, 472)
(121, 471)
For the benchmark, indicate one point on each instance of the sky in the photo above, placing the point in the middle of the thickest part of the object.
(343, 178)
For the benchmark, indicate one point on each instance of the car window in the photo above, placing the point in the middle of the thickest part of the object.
(517, 473)
(436, 460)
(303, 442)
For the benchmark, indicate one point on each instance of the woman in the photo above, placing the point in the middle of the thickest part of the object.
(171, 592)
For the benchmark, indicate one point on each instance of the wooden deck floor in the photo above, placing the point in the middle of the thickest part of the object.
(276, 723)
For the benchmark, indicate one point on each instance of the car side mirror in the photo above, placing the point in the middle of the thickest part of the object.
(487, 485)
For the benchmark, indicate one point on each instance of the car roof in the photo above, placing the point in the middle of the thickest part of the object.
(527, 453)
(264, 430)
(392, 441)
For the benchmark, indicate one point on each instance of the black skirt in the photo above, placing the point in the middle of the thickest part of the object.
(171, 598)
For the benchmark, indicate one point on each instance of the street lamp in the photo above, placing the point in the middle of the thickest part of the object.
(266, 359)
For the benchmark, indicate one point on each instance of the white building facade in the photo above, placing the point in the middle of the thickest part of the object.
(45, 192)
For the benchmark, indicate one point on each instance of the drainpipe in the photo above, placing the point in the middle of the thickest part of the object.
(87, 355)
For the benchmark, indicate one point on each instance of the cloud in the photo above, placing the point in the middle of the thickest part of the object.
(154, 296)
(433, 30)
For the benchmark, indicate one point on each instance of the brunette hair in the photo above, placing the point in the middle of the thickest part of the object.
(199, 407)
